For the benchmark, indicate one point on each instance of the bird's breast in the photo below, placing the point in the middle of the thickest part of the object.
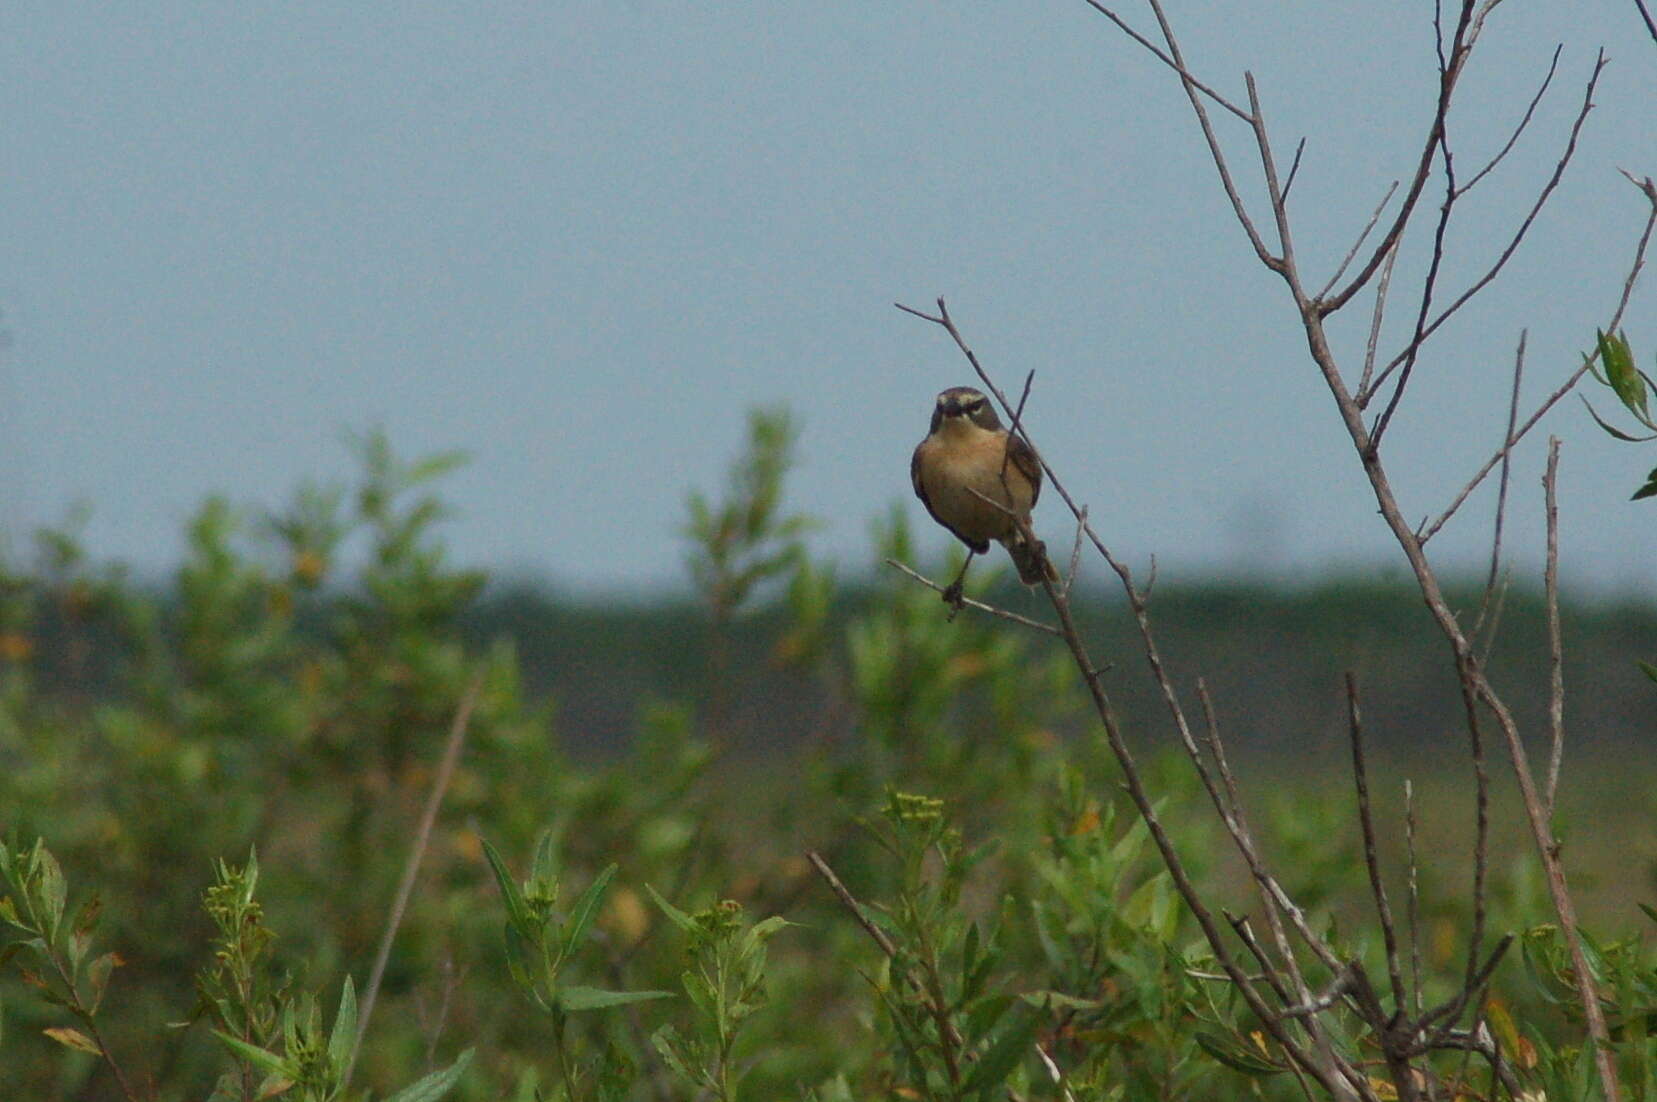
(956, 472)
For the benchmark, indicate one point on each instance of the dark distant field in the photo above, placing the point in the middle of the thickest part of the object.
(1273, 658)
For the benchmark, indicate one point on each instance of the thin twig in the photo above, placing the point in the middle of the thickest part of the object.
(1338, 989)
(1174, 62)
(1075, 554)
(1362, 237)
(1377, 887)
(1645, 14)
(1501, 484)
(1648, 189)
(1406, 356)
(1556, 649)
(411, 868)
(1364, 392)
(979, 605)
(850, 902)
(1449, 73)
(1413, 917)
(1293, 169)
(1553, 66)
(1428, 284)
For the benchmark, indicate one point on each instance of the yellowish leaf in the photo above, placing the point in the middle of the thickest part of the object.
(73, 1038)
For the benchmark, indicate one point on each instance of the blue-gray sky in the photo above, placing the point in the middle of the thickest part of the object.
(579, 239)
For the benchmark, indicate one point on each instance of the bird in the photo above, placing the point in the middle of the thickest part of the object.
(980, 481)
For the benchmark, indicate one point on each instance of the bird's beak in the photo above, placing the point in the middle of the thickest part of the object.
(952, 407)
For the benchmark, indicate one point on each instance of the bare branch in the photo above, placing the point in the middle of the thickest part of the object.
(1414, 909)
(1428, 285)
(1025, 621)
(1377, 887)
(1407, 355)
(1501, 492)
(1294, 168)
(1362, 237)
(1339, 988)
(1175, 62)
(1645, 14)
(1556, 679)
(1449, 73)
(1364, 391)
(1329, 1068)
(1214, 151)
(1553, 67)
(1075, 554)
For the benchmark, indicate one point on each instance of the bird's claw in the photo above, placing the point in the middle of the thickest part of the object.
(954, 597)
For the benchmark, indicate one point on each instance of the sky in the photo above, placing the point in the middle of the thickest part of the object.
(579, 240)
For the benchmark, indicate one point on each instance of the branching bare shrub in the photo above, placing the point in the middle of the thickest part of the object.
(1297, 976)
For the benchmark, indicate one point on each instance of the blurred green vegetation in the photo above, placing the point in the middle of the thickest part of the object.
(600, 911)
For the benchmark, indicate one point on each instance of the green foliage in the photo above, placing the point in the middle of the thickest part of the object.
(287, 696)
(724, 980)
(1632, 387)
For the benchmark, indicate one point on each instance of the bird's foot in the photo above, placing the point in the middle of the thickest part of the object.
(955, 598)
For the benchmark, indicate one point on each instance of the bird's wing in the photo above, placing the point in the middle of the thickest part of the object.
(1022, 457)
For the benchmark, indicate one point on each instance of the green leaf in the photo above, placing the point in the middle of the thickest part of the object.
(1648, 669)
(574, 997)
(1649, 489)
(53, 890)
(1236, 1056)
(97, 977)
(517, 911)
(435, 1085)
(258, 1057)
(679, 918)
(1059, 999)
(1004, 1055)
(344, 1036)
(1612, 429)
(581, 916)
(1620, 372)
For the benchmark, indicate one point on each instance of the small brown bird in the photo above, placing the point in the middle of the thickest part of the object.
(966, 454)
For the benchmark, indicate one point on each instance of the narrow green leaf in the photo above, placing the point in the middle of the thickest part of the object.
(97, 977)
(344, 1036)
(53, 890)
(517, 911)
(435, 1085)
(1648, 669)
(1235, 1056)
(969, 957)
(574, 997)
(1648, 490)
(581, 916)
(1618, 358)
(761, 932)
(266, 1061)
(1060, 1000)
(1612, 429)
(679, 918)
(1004, 1055)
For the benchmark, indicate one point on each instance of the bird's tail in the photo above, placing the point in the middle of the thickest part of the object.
(1030, 556)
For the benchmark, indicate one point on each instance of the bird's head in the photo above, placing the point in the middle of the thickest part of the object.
(960, 405)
